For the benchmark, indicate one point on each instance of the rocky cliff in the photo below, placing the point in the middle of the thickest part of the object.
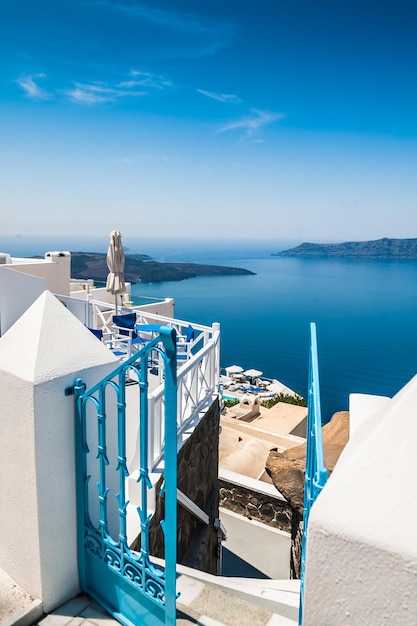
(287, 469)
(140, 268)
(377, 249)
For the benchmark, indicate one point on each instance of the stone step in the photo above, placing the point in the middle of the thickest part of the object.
(17, 608)
(215, 600)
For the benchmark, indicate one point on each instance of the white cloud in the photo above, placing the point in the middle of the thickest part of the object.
(90, 94)
(252, 123)
(102, 93)
(145, 79)
(136, 85)
(221, 97)
(32, 89)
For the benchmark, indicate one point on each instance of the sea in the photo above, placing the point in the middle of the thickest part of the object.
(365, 310)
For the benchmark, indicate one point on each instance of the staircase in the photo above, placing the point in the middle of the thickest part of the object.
(223, 601)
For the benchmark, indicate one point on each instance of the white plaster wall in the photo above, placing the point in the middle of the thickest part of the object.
(164, 308)
(79, 308)
(362, 406)
(42, 354)
(361, 560)
(55, 269)
(264, 547)
(17, 292)
(19, 542)
(100, 294)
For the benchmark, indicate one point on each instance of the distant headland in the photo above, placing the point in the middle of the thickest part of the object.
(141, 268)
(377, 249)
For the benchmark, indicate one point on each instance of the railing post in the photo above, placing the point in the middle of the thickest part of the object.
(315, 472)
(94, 310)
(216, 335)
(194, 387)
(89, 320)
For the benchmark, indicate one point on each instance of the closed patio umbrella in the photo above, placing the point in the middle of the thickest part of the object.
(116, 264)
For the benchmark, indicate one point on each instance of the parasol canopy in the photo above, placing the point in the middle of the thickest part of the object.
(116, 263)
(253, 373)
(234, 369)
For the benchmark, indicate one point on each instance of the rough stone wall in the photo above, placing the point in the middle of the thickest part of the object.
(296, 544)
(198, 462)
(253, 505)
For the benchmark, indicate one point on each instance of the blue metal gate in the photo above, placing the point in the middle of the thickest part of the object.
(125, 582)
(316, 473)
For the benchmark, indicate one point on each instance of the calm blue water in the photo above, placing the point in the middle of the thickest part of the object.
(365, 311)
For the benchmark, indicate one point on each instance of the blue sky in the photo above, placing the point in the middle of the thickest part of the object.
(294, 119)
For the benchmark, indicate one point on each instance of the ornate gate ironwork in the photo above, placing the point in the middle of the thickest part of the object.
(125, 582)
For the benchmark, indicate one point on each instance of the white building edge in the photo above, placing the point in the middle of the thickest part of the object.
(361, 562)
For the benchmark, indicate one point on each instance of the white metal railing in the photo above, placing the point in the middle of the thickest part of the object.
(202, 333)
(101, 316)
(198, 377)
(92, 313)
(98, 313)
(198, 381)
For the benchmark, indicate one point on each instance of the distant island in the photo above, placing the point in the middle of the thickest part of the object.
(141, 268)
(378, 249)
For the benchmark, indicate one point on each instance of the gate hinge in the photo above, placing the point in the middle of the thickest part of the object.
(77, 389)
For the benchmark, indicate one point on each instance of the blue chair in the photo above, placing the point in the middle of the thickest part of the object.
(120, 347)
(125, 323)
(184, 344)
(124, 326)
(97, 332)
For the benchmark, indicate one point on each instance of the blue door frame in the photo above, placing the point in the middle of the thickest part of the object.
(126, 583)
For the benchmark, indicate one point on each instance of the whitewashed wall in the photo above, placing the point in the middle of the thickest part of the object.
(42, 354)
(165, 308)
(99, 293)
(361, 566)
(362, 406)
(17, 292)
(55, 269)
(263, 547)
